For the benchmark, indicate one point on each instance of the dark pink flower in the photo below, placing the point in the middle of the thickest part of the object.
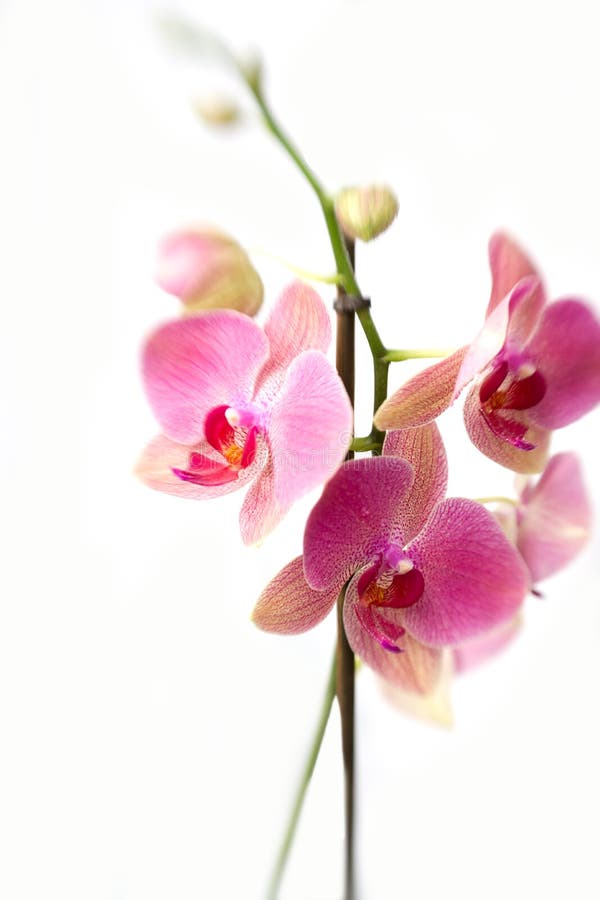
(421, 572)
(239, 403)
(535, 368)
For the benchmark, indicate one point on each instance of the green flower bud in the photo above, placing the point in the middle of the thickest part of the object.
(365, 212)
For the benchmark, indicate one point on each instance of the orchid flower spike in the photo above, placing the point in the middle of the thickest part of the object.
(535, 368)
(419, 572)
(552, 520)
(238, 403)
(208, 270)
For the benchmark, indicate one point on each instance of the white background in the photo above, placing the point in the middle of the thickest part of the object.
(150, 736)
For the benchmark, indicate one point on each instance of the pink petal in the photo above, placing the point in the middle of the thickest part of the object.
(423, 398)
(503, 451)
(509, 264)
(527, 304)
(512, 319)
(310, 426)
(299, 321)
(556, 518)
(192, 365)
(474, 578)
(288, 605)
(566, 349)
(162, 456)
(480, 649)
(359, 511)
(433, 706)
(423, 448)
(417, 668)
(260, 511)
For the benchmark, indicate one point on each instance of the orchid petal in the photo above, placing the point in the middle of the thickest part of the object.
(416, 668)
(423, 398)
(192, 365)
(480, 649)
(566, 349)
(474, 578)
(260, 511)
(498, 448)
(433, 706)
(310, 426)
(288, 605)
(359, 511)
(513, 318)
(509, 264)
(555, 520)
(162, 456)
(299, 321)
(423, 448)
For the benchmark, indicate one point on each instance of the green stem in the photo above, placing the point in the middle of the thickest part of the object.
(347, 279)
(497, 500)
(305, 778)
(364, 444)
(401, 355)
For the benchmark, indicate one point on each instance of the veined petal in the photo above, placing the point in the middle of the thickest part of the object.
(555, 520)
(299, 321)
(566, 349)
(288, 605)
(424, 449)
(435, 705)
(260, 511)
(478, 650)
(474, 579)
(162, 456)
(416, 668)
(423, 398)
(192, 365)
(512, 318)
(509, 263)
(526, 307)
(359, 511)
(310, 426)
(503, 451)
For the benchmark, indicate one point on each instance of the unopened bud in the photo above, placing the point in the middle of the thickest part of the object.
(218, 111)
(365, 212)
(208, 270)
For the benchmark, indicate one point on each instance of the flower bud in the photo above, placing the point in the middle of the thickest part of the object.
(217, 111)
(206, 270)
(365, 212)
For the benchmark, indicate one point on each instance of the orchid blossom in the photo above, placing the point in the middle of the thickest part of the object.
(420, 572)
(535, 368)
(551, 521)
(239, 403)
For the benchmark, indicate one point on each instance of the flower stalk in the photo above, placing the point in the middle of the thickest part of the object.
(307, 773)
(345, 364)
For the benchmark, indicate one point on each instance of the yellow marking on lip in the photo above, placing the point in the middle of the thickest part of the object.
(233, 454)
(374, 594)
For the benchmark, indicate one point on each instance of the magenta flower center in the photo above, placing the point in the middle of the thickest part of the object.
(232, 432)
(510, 384)
(391, 583)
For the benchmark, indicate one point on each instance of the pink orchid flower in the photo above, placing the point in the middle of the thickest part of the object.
(535, 368)
(421, 572)
(551, 522)
(239, 403)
